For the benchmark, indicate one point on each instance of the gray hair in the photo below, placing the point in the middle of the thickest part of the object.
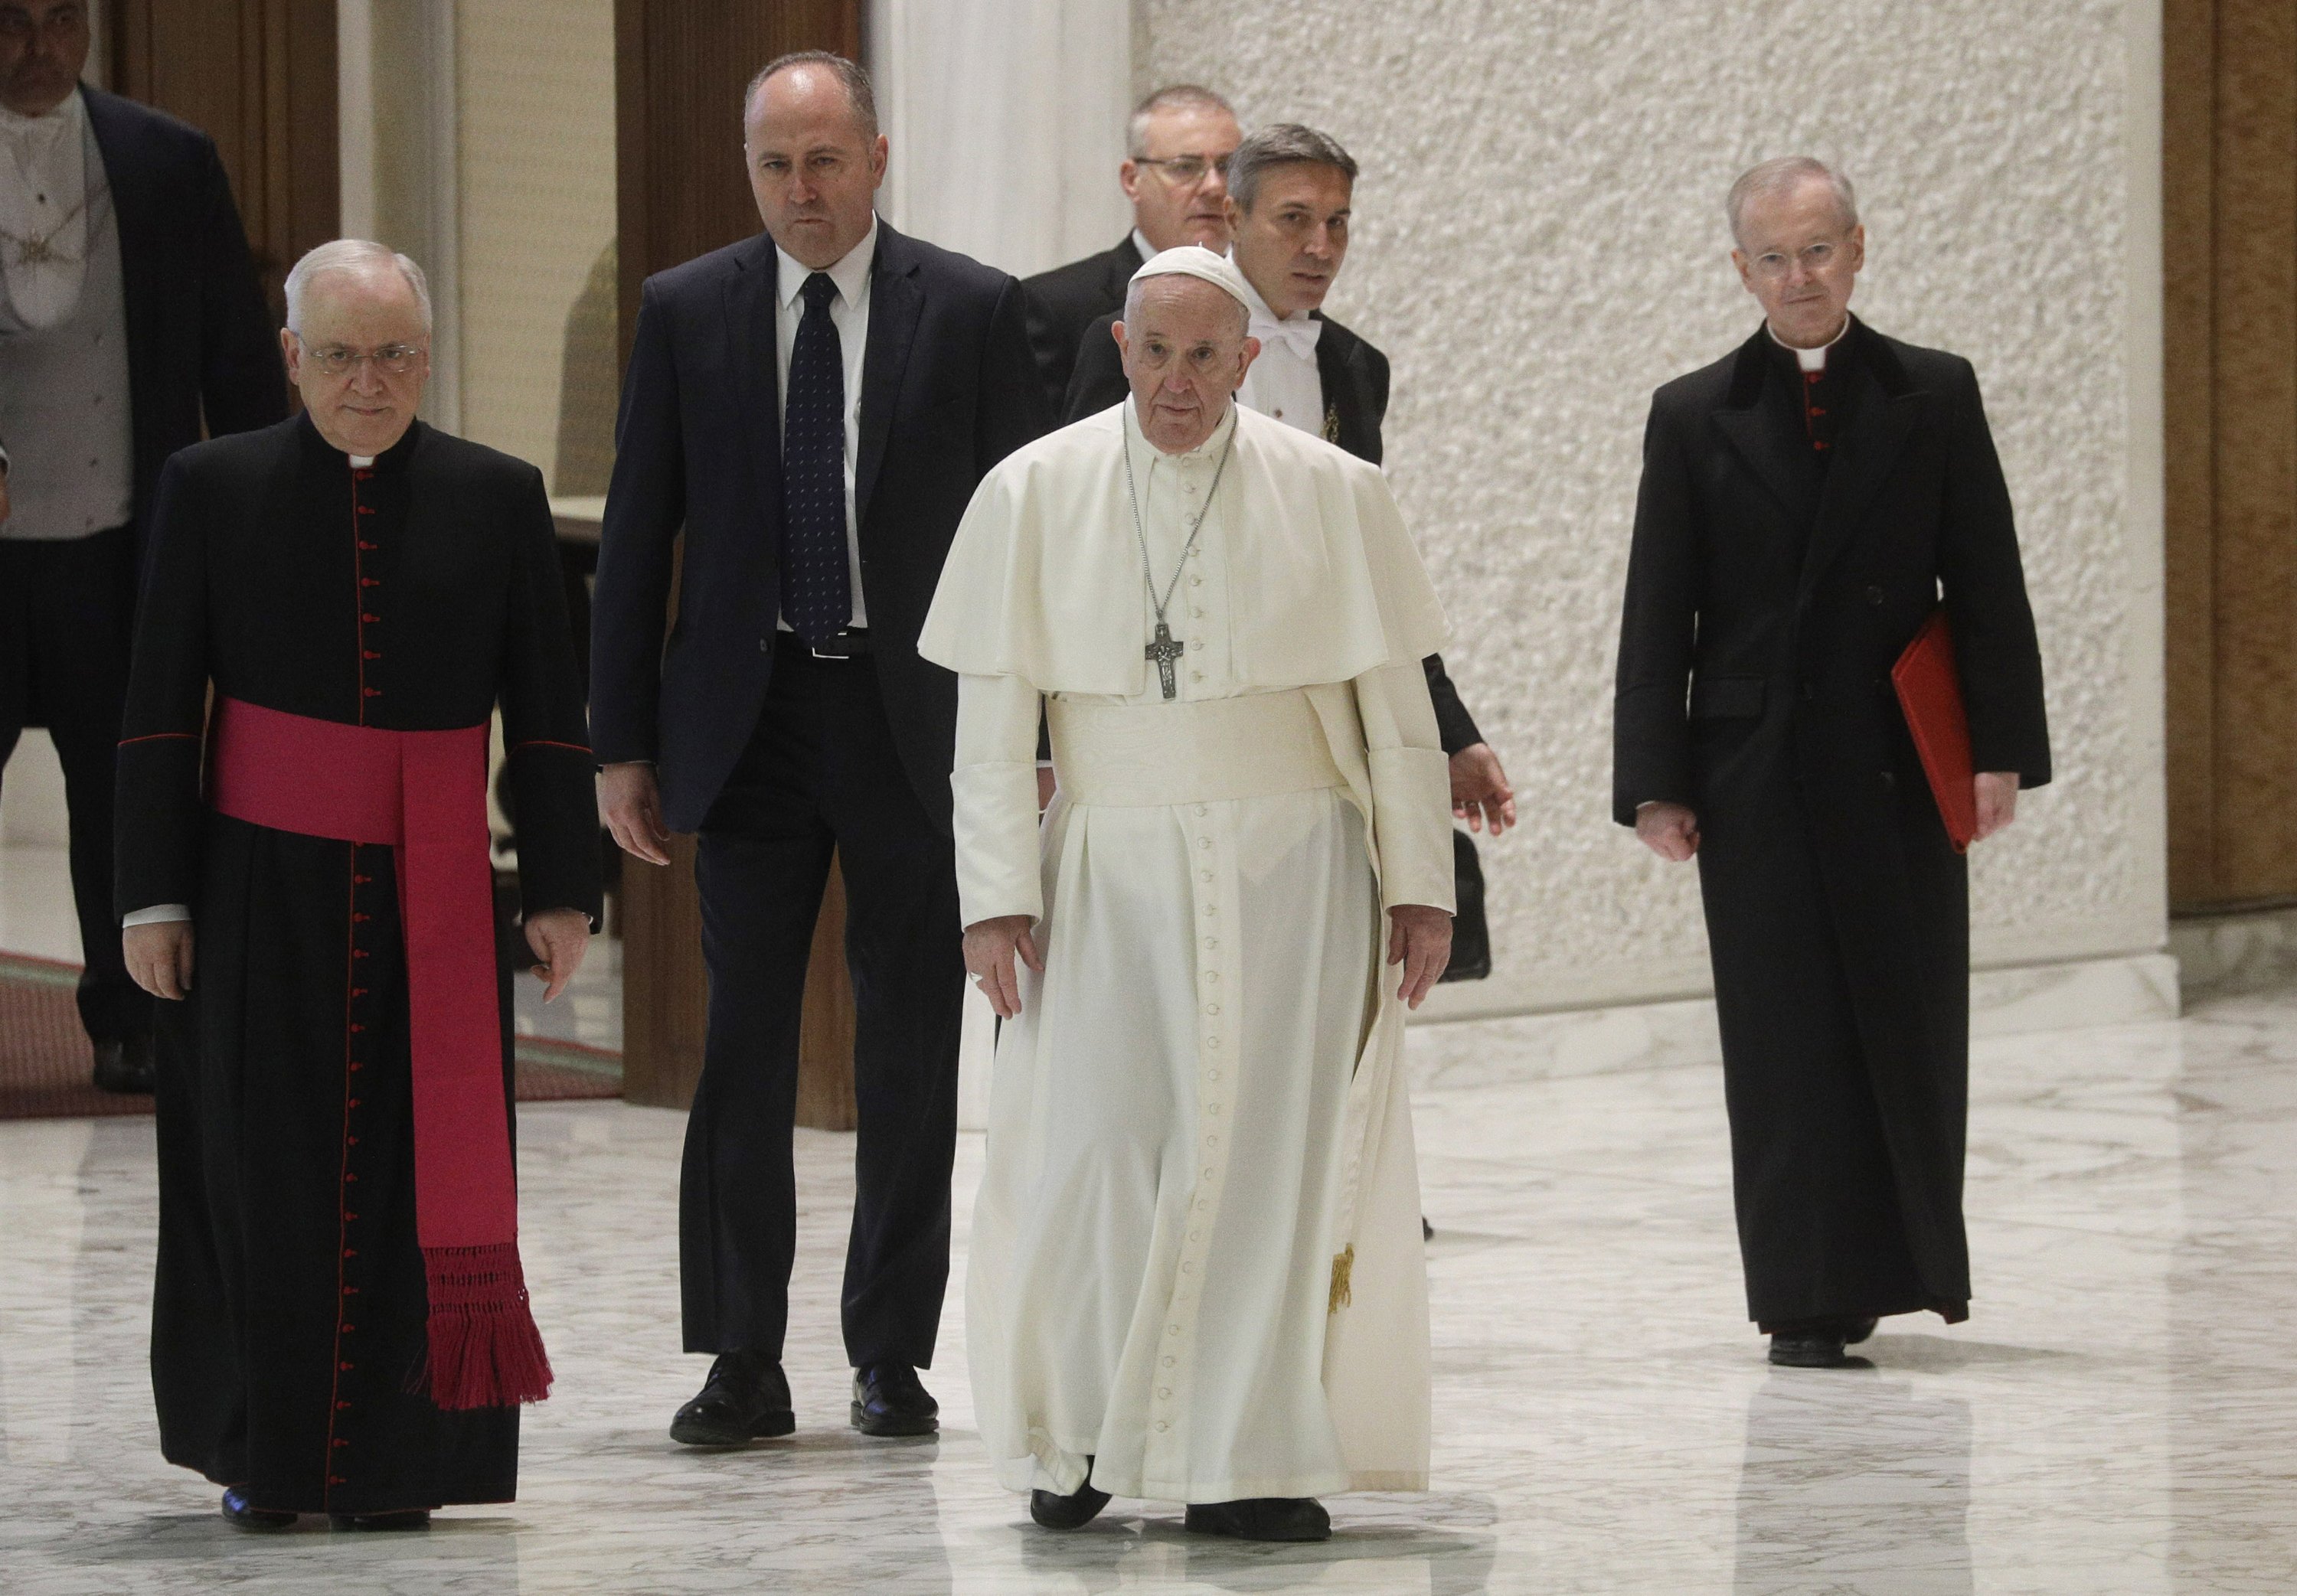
(850, 75)
(1140, 284)
(356, 257)
(1173, 96)
(1774, 178)
(1282, 144)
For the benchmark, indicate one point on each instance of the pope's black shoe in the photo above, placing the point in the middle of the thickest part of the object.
(746, 1398)
(1078, 1508)
(1855, 1330)
(124, 1066)
(1263, 1519)
(246, 1515)
(409, 1518)
(889, 1400)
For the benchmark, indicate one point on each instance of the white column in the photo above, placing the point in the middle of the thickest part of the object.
(1007, 123)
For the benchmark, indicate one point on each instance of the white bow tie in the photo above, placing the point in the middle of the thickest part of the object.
(1299, 336)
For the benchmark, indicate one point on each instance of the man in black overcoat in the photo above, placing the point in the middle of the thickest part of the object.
(1291, 192)
(1807, 503)
(1175, 174)
(811, 408)
(129, 315)
(337, 1219)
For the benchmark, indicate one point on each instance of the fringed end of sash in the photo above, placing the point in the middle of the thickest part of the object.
(1343, 1266)
(485, 1350)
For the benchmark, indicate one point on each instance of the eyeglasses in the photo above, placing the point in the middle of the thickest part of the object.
(1186, 170)
(1814, 259)
(336, 361)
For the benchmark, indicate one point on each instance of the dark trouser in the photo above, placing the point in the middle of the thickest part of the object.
(821, 774)
(66, 621)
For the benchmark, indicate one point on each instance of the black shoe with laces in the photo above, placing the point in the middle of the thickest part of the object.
(746, 1398)
(890, 1400)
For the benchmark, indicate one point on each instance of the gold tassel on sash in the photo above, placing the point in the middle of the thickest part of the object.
(1343, 1265)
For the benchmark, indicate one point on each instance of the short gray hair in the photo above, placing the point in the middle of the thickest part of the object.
(355, 257)
(1282, 144)
(850, 77)
(1140, 286)
(1171, 97)
(1784, 175)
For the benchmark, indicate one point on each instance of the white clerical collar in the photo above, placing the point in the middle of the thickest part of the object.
(1140, 242)
(33, 136)
(850, 271)
(1203, 451)
(361, 462)
(1811, 359)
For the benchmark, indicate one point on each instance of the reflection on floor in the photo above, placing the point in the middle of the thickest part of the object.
(2119, 1414)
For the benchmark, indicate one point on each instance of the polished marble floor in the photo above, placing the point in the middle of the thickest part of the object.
(2119, 1415)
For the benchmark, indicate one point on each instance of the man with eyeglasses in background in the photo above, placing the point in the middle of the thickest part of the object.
(1809, 502)
(1175, 173)
(130, 316)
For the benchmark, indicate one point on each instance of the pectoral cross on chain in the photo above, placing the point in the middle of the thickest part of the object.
(1165, 650)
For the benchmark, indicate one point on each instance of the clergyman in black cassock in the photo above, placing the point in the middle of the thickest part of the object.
(413, 592)
(1804, 510)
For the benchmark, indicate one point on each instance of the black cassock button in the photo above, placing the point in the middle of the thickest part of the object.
(1874, 595)
(1889, 781)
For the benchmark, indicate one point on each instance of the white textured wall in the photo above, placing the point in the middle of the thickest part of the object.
(1539, 243)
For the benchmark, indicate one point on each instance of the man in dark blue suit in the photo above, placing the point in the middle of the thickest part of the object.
(130, 320)
(812, 408)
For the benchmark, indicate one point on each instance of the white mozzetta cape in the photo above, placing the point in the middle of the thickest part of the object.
(1043, 580)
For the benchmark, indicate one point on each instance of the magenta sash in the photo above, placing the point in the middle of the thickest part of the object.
(424, 794)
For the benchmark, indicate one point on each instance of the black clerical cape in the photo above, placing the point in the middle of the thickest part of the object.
(288, 1343)
(1790, 537)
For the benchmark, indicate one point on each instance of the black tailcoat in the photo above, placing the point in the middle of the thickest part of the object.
(1355, 378)
(288, 1315)
(1770, 589)
(1065, 302)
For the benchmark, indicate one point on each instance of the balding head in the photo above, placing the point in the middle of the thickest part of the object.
(814, 155)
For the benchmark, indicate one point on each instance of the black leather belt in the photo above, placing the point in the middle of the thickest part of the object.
(851, 644)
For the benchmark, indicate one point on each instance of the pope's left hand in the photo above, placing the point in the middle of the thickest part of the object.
(1419, 939)
(559, 938)
(1480, 794)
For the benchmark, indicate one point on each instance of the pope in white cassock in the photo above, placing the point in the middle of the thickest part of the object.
(1195, 1268)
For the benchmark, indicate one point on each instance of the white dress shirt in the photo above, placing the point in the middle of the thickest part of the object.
(849, 312)
(1284, 382)
(44, 194)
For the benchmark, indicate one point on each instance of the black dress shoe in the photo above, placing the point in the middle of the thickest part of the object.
(1078, 1508)
(1812, 1349)
(411, 1518)
(888, 1400)
(1263, 1519)
(124, 1066)
(246, 1515)
(1855, 1330)
(746, 1398)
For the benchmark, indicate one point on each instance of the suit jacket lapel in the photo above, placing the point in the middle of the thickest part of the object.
(136, 207)
(1340, 375)
(1885, 414)
(751, 303)
(895, 301)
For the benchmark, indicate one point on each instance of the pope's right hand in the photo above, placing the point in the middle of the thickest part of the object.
(989, 946)
(160, 957)
(630, 804)
(1670, 830)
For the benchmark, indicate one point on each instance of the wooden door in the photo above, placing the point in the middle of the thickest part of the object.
(681, 66)
(2230, 147)
(258, 77)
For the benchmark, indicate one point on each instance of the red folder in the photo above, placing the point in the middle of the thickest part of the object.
(1929, 694)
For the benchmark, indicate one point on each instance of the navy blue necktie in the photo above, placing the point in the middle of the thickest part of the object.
(816, 588)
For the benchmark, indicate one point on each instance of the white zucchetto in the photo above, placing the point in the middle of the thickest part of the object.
(1194, 261)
